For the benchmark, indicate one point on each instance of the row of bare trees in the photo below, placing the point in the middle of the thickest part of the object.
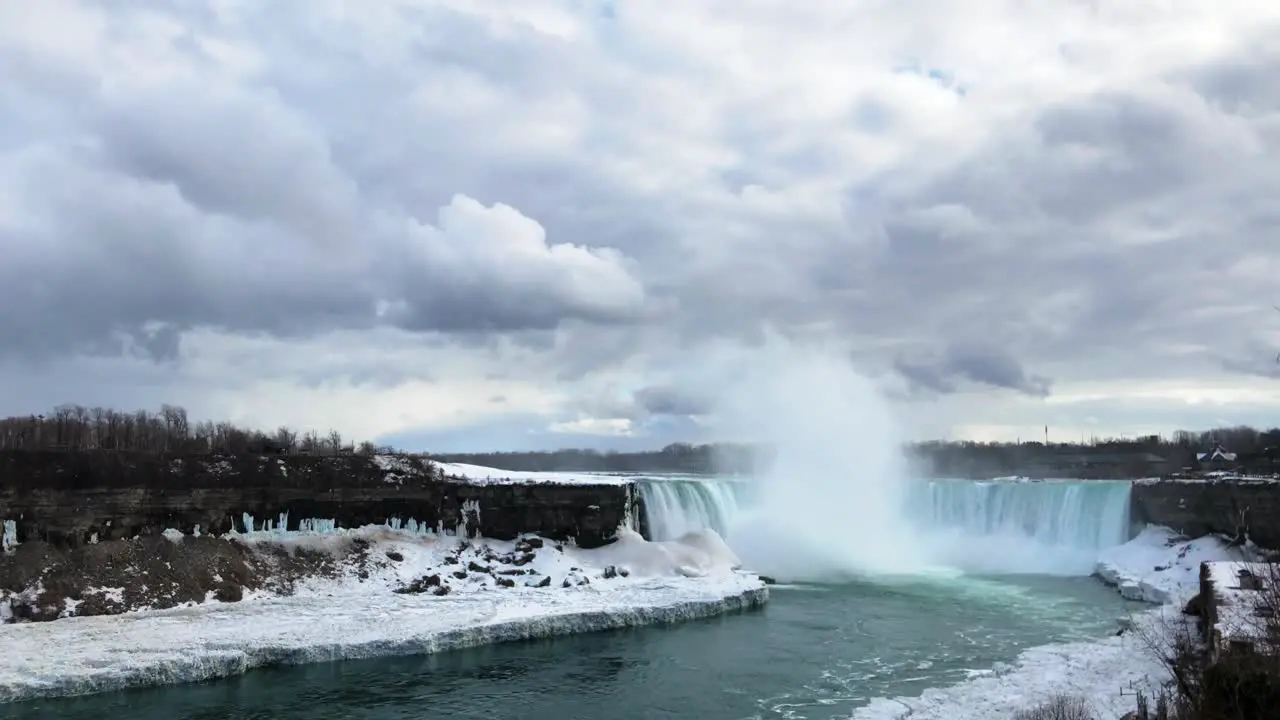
(77, 428)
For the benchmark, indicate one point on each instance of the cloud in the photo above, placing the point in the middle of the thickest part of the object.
(660, 400)
(978, 365)
(381, 216)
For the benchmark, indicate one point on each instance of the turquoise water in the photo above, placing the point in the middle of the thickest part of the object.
(817, 651)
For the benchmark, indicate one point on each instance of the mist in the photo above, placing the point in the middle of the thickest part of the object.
(830, 502)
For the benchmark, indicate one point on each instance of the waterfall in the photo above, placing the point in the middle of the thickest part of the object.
(673, 507)
(1087, 515)
(1050, 527)
(1053, 527)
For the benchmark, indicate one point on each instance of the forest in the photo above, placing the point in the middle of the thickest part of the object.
(76, 428)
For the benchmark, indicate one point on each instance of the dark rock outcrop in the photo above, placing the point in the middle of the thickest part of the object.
(45, 582)
(67, 499)
(1233, 507)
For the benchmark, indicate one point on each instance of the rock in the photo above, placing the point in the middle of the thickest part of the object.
(422, 584)
(505, 582)
(545, 582)
(395, 556)
(767, 580)
(476, 567)
(524, 559)
(1194, 606)
(441, 590)
(228, 593)
(566, 583)
(610, 573)
(460, 574)
(514, 571)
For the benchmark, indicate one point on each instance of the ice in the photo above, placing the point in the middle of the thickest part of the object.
(1106, 673)
(1161, 566)
(630, 582)
(1157, 566)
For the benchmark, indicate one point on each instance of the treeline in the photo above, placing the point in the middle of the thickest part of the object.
(674, 458)
(77, 428)
(1254, 450)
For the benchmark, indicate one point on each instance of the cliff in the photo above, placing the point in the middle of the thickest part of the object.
(1227, 506)
(68, 499)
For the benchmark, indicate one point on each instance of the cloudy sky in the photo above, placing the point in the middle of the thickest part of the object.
(473, 224)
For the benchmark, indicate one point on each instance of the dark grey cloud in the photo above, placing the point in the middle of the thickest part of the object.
(984, 366)
(667, 400)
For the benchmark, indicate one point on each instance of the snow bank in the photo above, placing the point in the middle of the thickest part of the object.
(394, 604)
(480, 475)
(1161, 566)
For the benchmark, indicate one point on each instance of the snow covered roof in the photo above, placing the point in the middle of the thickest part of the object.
(1216, 454)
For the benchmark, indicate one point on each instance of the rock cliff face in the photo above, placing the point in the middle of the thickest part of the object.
(1199, 507)
(72, 499)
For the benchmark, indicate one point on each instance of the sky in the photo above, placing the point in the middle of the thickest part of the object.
(481, 224)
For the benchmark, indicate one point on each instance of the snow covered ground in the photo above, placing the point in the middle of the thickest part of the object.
(1160, 566)
(480, 475)
(1241, 588)
(418, 594)
(1157, 566)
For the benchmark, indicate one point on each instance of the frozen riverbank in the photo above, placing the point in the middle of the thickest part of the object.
(423, 594)
(1156, 567)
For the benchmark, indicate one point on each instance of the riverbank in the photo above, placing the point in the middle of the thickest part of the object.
(392, 592)
(1157, 567)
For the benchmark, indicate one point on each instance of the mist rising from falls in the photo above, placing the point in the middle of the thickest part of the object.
(837, 501)
(832, 502)
(990, 527)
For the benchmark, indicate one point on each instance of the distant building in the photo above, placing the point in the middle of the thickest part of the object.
(1216, 459)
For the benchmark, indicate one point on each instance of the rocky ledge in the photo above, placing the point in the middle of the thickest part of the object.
(72, 499)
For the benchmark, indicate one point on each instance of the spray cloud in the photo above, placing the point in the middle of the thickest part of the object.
(831, 503)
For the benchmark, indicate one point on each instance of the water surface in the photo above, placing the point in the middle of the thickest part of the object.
(817, 651)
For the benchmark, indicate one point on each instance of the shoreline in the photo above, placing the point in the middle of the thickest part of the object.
(629, 584)
(1157, 567)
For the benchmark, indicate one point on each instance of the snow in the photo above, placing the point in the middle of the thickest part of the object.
(1158, 566)
(1238, 600)
(1106, 673)
(1161, 566)
(8, 535)
(1215, 476)
(480, 475)
(630, 582)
